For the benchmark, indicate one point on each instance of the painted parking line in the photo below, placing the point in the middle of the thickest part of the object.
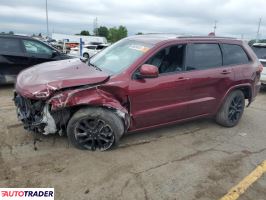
(239, 189)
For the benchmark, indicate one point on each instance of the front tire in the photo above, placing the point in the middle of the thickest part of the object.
(95, 128)
(232, 109)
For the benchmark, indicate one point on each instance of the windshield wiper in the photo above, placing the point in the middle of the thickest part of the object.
(96, 67)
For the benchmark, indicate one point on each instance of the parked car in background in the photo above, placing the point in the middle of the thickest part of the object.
(19, 52)
(138, 83)
(260, 50)
(88, 50)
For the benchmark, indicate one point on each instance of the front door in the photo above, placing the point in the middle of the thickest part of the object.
(163, 99)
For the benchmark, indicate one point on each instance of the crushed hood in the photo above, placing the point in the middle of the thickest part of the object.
(42, 80)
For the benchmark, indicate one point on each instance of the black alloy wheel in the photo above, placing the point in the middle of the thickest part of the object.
(232, 109)
(94, 133)
(235, 109)
(95, 128)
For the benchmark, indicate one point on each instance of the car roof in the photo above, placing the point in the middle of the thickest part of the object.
(157, 38)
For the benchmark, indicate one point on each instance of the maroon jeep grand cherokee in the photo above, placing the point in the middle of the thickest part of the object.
(138, 83)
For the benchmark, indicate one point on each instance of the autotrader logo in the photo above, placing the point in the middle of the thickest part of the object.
(27, 193)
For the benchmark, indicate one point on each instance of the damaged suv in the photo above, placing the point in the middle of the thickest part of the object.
(138, 83)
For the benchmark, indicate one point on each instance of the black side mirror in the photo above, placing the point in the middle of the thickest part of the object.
(54, 54)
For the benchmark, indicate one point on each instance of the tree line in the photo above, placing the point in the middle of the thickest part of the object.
(111, 34)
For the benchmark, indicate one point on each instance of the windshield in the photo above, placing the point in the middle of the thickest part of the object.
(260, 52)
(120, 55)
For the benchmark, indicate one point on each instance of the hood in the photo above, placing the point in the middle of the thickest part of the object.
(42, 80)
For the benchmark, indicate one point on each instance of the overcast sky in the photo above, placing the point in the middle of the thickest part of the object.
(235, 17)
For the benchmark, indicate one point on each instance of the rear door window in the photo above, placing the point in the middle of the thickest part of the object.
(203, 56)
(234, 55)
(10, 46)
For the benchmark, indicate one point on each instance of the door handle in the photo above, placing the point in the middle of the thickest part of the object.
(226, 71)
(182, 79)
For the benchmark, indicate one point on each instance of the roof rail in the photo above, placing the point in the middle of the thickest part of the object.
(200, 36)
(160, 34)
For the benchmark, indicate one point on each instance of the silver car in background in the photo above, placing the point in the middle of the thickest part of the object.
(260, 50)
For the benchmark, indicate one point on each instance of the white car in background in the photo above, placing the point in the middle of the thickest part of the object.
(88, 50)
(260, 50)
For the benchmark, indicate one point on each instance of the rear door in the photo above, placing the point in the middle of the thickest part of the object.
(12, 58)
(209, 80)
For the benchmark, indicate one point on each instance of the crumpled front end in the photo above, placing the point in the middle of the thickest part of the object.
(51, 115)
(37, 116)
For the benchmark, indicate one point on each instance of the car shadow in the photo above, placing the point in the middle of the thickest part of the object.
(132, 138)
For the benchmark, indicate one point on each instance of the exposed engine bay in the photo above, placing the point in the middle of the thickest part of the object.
(37, 116)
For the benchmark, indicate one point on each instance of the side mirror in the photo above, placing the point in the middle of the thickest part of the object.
(54, 54)
(148, 71)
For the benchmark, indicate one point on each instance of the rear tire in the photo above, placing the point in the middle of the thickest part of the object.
(95, 128)
(231, 111)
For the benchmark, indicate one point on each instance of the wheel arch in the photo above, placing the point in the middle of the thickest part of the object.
(92, 97)
(245, 88)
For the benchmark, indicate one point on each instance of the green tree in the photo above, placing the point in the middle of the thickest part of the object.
(84, 32)
(112, 36)
(251, 42)
(103, 31)
(116, 34)
(11, 33)
(139, 33)
(122, 32)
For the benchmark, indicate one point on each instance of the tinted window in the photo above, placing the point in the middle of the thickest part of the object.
(9, 45)
(100, 47)
(234, 54)
(34, 47)
(203, 56)
(169, 59)
(260, 52)
(91, 47)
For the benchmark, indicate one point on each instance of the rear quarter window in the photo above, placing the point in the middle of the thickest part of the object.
(234, 55)
(10, 46)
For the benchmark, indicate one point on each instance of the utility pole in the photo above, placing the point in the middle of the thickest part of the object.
(95, 26)
(214, 27)
(258, 32)
(47, 25)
